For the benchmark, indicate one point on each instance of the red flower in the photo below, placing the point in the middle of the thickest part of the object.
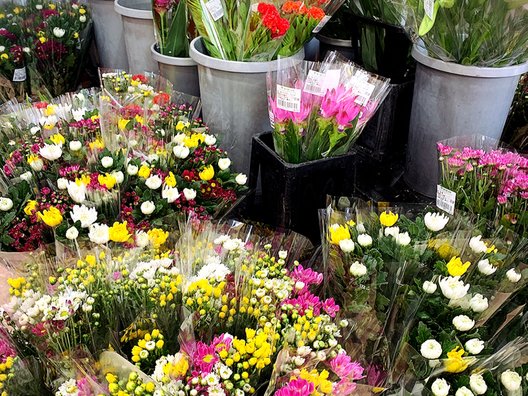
(295, 7)
(140, 77)
(316, 13)
(48, 13)
(162, 99)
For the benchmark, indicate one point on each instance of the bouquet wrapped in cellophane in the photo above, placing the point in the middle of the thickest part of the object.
(250, 30)
(488, 181)
(220, 311)
(430, 298)
(319, 110)
(85, 165)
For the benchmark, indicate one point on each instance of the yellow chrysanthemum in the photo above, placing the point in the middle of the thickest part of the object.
(455, 267)
(207, 173)
(455, 363)
(52, 217)
(57, 138)
(119, 232)
(157, 237)
(170, 180)
(338, 233)
(30, 208)
(107, 180)
(144, 171)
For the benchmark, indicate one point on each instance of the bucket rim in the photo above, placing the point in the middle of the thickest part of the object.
(130, 12)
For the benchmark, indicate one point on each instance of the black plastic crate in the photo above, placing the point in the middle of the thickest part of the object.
(385, 135)
(293, 193)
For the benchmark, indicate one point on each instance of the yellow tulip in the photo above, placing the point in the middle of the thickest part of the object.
(170, 180)
(455, 363)
(107, 180)
(338, 233)
(30, 208)
(388, 219)
(144, 171)
(456, 268)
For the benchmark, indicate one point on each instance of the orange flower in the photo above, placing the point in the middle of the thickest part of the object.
(294, 7)
(162, 99)
(316, 13)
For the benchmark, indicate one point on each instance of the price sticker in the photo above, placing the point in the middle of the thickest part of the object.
(315, 83)
(445, 199)
(19, 75)
(321, 23)
(215, 9)
(332, 78)
(361, 87)
(288, 99)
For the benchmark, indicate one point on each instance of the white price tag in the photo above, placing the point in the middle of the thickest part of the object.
(321, 23)
(429, 8)
(288, 99)
(315, 83)
(361, 87)
(332, 78)
(19, 75)
(215, 9)
(445, 199)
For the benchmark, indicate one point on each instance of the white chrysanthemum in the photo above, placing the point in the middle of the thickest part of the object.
(87, 216)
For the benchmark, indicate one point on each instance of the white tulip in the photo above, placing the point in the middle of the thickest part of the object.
(403, 239)
(463, 391)
(119, 176)
(58, 32)
(132, 170)
(77, 192)
(479, 303)
(364, 240)
(75, 145)
(357, 269)
(37, 165)
(453, 288)
(2, 48)
(241, 179)
(210, 140)
(154, 182)
(346, 245)
(511, 380)
(82, 18)
(181, 151)
(360, 228)
(147, 207)
(463, 323)
(179, 138)
(5, 204)
(283, 254)
(477, 245)
(477, 384)
(72, 233)
(170, 194)
(34, 130)
(189, 194)
(474, 346)
(435, 221)
(99, 233)
(431, 349)
(224, 163)
(440, 387)
(87, 216)
(392, 231)
(142, 239)
(62, 183)
(27, 176)
(51, 151)
(513, 276)
(107, 162)
(152, 158)
(429, 287)
(485, 268)
(78, 114)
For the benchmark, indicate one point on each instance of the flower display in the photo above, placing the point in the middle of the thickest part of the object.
(121, 180)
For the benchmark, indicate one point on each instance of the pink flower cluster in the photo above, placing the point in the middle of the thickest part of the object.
(304, 300)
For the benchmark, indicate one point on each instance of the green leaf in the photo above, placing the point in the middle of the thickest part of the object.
(428, 23)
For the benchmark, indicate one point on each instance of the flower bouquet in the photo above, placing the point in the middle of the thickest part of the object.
(455, 32)
(488, 182)
(258, 31)
(171, 21)
(216, 315)
(319, 110)
(13, 76)
(387, 271)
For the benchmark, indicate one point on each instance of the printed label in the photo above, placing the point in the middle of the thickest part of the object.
(321, 23)
(429, 8)
(19, 75)
(361, 87)
(445, 199)
(272, 119)
(288, 99)
(215, 9)
(315, 83)
(332, 78)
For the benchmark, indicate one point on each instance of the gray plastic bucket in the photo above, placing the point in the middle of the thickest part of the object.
(181, 72)
(109, 35)
(234, 100)
(453, 100)
(138, 28)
